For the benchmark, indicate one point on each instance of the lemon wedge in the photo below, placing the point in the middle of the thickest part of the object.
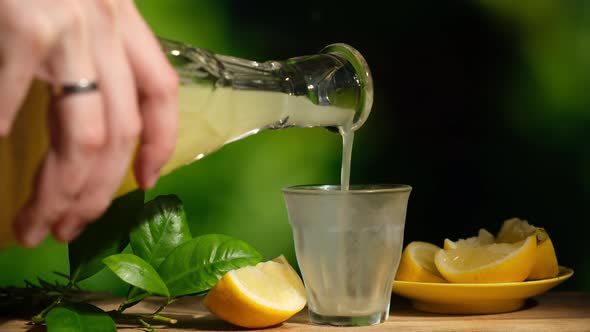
(258, 296)
(498, 262)
(546, 266)
(417, 263)
(514, 230)
(484, 237)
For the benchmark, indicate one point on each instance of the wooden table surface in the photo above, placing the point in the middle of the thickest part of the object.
(553, 311)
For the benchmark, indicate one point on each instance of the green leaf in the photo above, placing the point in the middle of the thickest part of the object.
(106, 236)
(163, 227)
(137, 272)
(198, 264)
(79, 317)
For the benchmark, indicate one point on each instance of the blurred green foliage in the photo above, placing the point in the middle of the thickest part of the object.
(482, 107)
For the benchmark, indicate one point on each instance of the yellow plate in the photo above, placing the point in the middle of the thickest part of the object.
(449, 298)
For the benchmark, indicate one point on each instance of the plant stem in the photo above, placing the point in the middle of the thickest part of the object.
(168, 302)
(126, 305)
(147, 325)
(143, 317)
(158, 318)
(40, 317)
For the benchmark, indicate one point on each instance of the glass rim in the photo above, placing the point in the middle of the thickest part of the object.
(334, 189)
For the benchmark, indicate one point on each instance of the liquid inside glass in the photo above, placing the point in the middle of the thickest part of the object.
(348, 246)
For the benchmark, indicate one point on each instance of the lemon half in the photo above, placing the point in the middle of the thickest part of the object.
(258, 296)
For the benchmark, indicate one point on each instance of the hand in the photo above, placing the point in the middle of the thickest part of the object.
(93, 134)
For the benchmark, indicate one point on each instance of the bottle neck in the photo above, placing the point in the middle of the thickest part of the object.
(337, 77)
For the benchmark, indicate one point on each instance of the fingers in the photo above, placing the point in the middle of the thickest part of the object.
(24, 45)
(93, 135)
(77, 134)
(158, 96)
(15, 76)
(123, 123)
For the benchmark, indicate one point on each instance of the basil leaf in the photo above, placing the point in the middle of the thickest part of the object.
(163, 227)
(106, 236)
(137, 272)
(198, 264)
(79, 317)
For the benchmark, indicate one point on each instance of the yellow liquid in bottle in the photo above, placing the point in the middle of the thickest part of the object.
(209, 119)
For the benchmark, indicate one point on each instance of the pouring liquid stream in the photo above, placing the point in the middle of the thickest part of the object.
(347, 141)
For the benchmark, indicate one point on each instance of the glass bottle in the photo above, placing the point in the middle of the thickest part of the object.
(221, 99)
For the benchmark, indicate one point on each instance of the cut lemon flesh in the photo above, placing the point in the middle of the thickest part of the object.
(498, 262)
(417, 263)
(484, 237)
(514, 230)
(257, 296)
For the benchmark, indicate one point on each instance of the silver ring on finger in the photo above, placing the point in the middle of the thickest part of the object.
(81, 86)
